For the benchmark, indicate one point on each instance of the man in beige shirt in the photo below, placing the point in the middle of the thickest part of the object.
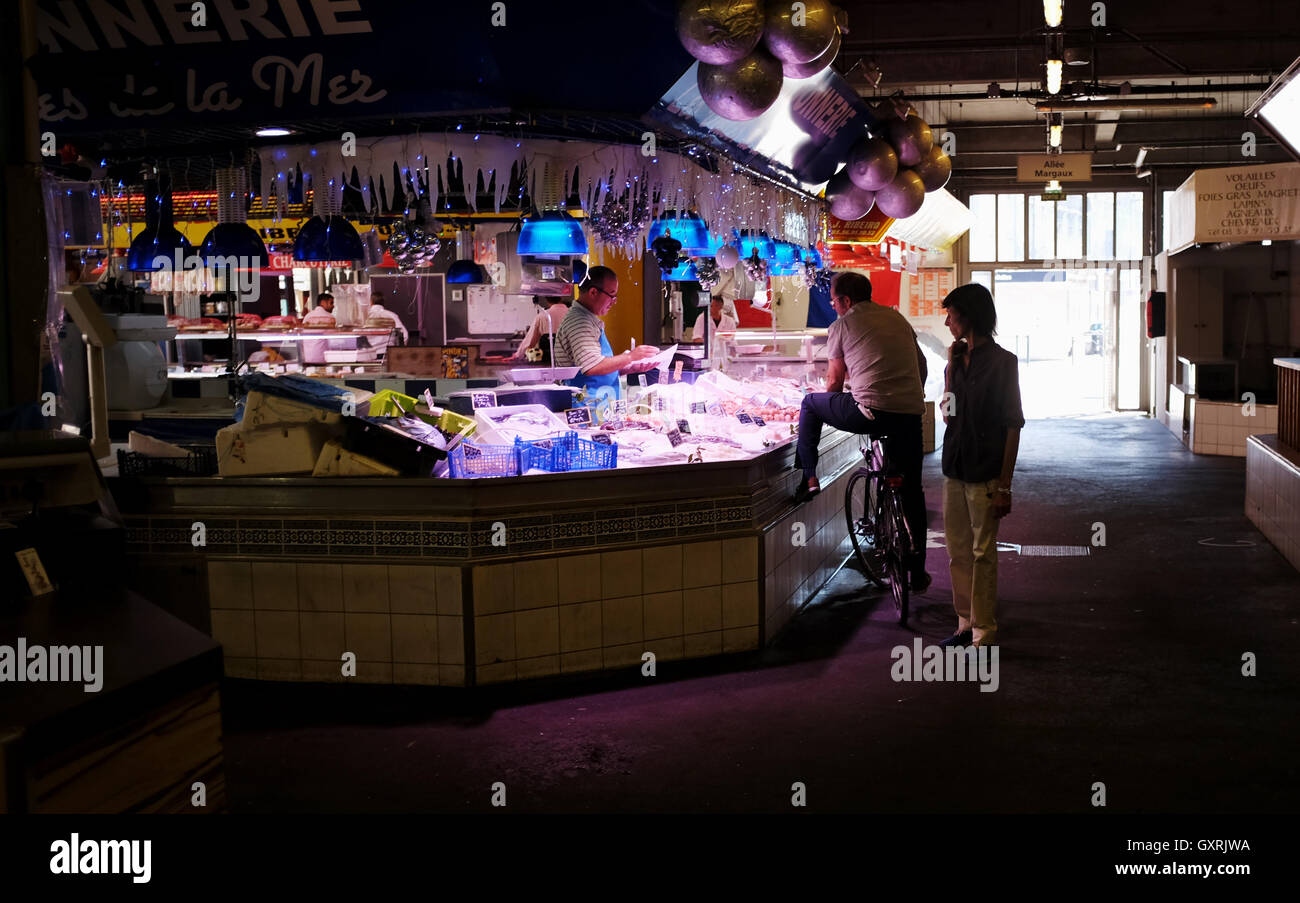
(876, 349)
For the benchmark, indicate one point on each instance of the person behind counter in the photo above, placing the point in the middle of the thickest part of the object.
(377, 314)
(721, 314)
(581, 342)
(877, 349)
(980, 447)
(545, 325)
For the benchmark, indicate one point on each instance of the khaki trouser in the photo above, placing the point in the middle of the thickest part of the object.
(971, 532)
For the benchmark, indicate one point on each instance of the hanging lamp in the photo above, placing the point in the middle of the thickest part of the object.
(160, 239)
(327, 235)
(232, 237)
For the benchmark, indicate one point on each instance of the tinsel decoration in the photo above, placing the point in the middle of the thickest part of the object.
(707, 273)
(620, 220)
(808, 274)
(756, 267)
(823, 280)
(411, 246)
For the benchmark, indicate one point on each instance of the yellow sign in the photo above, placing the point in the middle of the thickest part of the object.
(271, 230)
(1061, 167)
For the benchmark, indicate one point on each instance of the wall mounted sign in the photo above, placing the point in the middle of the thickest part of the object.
(1061, 167)
(1236, 204)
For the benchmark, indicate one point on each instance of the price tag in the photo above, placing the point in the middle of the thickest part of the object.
(578, 416)
(685, 426)
(744, 418)
(37, 580)
(759, 421)
(602, 438)
(472, 452)
(674, 437)
(483, 400)
(699, 407)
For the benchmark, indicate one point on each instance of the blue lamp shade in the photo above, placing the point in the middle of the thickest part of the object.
(328, 238)
(552, 233)
(237, 240)
(683, 272)
(464, 272)
(748, 241)
(788, 260)
(689, 229)
(163, 241)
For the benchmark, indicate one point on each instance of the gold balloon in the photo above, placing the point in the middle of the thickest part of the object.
(848, 201)
(912, 139)
(872, 164)
(903, 196)
(807, 70)
(742, 90)
(799, 35)
(934, 169)
(720, 32)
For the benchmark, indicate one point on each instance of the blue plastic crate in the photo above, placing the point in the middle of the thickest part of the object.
(560, 454)
(470, 461)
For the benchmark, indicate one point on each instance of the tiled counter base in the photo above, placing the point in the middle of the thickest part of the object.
(573, 588)
(1273, 493)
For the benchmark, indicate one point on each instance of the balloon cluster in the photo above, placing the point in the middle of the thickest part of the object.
(411, 246)
(667, 251)
(621, 220)
(892, 169)
(707, 273)
(738, 78)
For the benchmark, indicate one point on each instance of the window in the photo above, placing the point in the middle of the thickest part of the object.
(1069, 227)
(983, 234)
(1011, 227)
(984, 278)
(1101, 225)
(1128, 225)
(1042, 228)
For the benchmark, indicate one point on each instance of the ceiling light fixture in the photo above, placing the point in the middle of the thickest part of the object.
(1158, 103)
(273, 132)
(1054, 68)
(1055, 128)
(1052, 12)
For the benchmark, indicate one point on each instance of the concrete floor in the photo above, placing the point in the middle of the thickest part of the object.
(1122, 667)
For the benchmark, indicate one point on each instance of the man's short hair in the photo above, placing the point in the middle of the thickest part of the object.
(854, 286)
(974, 304)
(597, 277)
(324, 295)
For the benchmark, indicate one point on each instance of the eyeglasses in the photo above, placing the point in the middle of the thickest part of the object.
(605, 293)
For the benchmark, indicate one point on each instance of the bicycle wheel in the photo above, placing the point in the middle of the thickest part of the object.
(896, 546)
(860, 508)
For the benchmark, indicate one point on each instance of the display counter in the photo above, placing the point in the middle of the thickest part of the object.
(1273, 468)
(472, 582)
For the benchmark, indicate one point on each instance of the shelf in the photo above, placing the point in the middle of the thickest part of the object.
(265, 337)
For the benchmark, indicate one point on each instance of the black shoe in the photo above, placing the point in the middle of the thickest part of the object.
(921, 581)
(959, 639)
(803, 493)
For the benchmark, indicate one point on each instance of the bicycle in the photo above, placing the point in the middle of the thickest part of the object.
(873, 506)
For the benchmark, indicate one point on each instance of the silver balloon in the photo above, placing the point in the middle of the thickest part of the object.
(848, 201)
(902, 197)
(727, 257)
(743, 90)
(799, 34)
(934, 169)
(872, 164)
(912, 139)
(809, 69)
(720, 32)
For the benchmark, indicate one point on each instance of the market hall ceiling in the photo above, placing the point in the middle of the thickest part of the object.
(592, 68)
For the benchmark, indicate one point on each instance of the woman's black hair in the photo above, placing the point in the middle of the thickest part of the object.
(974, 304)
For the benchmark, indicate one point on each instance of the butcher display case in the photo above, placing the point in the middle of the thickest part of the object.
(798, 354)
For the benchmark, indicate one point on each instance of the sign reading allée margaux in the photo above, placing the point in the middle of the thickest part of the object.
(1237, 203)
(1061, 167)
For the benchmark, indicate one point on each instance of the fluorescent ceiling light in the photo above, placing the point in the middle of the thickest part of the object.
(273, 132)
(1278, 109)
(1054, 76)
(1132, 103)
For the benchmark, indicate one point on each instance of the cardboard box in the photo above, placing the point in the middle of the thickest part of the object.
(262, 410)
(337, 461)
(281, 449)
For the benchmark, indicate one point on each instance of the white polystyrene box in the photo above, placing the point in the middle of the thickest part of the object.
(500, 425)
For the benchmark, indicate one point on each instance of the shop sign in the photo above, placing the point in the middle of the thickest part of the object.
(286, 262)
(1237, 203)
(1061, 167)
(869, 230)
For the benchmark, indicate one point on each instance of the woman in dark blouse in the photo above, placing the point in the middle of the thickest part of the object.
(981, 407)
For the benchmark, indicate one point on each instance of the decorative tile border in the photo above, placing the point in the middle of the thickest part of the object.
(459, 539)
